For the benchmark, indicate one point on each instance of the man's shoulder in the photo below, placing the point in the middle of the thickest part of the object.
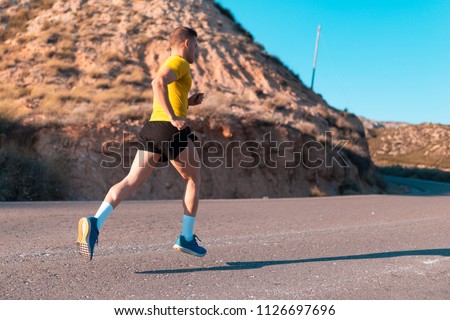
(176, 60)
(178, 65)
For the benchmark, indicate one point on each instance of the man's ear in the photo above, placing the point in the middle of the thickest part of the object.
(186, 43)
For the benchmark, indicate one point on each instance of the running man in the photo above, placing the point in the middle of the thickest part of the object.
(165, 137)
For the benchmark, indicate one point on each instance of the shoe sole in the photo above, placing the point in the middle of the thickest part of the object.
(185, 250)
(84, 229)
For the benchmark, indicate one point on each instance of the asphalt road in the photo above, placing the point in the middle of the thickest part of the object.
(416, 187)
(354, 247)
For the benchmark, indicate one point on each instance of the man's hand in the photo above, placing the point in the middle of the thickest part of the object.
(196, 99)
(179, 122)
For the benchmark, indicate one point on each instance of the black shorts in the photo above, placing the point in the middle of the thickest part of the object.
(163, 138)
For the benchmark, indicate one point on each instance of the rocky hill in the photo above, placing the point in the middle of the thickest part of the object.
(75, 77)
(425, 145)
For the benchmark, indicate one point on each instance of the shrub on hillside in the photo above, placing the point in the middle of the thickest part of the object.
(24, 176)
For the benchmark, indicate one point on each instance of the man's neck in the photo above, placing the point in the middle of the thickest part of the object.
(179, 54)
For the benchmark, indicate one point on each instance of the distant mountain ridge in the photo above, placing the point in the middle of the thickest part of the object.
(374, 124)
(424, 145)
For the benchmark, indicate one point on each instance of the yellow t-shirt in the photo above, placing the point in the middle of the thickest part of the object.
(178, 90)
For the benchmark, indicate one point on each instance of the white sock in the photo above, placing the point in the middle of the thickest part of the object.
(187, 231)
(103, 212)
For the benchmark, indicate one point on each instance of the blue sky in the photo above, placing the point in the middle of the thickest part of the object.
(384, 60)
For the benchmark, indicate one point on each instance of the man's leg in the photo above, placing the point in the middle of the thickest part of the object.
(142, 167)
(188, 165)
(140, 170)
(89, 227)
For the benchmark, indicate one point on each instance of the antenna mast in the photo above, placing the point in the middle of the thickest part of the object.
(315, 56)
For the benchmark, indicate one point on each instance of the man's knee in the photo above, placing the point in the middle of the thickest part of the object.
(192, 178)
(196, 179)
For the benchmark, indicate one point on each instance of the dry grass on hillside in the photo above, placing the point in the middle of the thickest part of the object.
(16, 20)
(412, 151)
(421, 146)
(64, 89)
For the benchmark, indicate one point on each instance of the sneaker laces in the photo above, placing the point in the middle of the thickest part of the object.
(195, 237)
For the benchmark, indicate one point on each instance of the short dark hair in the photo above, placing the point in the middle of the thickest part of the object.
(181, 34)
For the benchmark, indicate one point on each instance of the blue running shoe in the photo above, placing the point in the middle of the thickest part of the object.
(87, 237)
(190, 247)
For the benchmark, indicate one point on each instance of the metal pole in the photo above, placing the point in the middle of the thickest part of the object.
(315, 56)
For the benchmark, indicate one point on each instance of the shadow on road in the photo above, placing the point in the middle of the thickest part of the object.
(260, 264)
